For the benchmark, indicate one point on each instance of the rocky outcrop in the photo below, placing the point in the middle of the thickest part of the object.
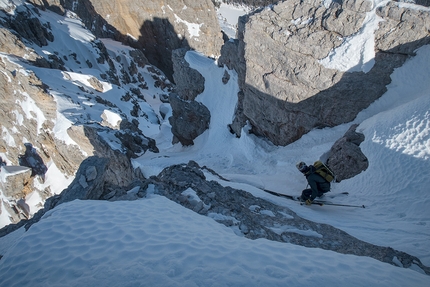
(189, 82)
(157, 28)
(29, 27)
(32, 134)
(189, 119)
(288, 91)
(254, 217)
(15, 182)
(247, 215)
(38, 126)
(345, 157)
(98, 178)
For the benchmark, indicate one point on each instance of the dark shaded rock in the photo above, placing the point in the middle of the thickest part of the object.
(33, 160)
(189, 82)
(225, 77)
(189, 119)
(229, 55)
(136, 143)
(425, 3)
(31, 29)
(345, 157)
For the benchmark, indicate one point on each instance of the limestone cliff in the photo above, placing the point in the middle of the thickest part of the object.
(155, 27)
(57, 95)
(288, 89)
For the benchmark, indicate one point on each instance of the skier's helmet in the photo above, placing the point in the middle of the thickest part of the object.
(301, 166)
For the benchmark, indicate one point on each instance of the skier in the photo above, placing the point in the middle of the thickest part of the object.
(318, 185)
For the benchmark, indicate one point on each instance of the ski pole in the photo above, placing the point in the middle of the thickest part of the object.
(337, 204)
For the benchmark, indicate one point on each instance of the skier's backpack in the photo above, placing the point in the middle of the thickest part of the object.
(324, 171)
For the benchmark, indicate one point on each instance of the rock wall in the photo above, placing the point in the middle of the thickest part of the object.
(156, 27)
(189, 82)
(24, 141)
(286, 91)
(29, 113)
(17, 87)
(18, 183)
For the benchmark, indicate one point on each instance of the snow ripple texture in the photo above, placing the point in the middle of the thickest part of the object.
(155, 242)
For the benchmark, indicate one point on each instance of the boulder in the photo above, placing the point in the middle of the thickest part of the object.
(97, 177)
(189, 119)
(345, 157)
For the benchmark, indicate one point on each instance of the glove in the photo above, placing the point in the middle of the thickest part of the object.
(308, 202)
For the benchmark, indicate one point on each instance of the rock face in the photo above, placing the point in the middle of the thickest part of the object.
(345, 157)
(156, 27)
(28, 139)
(289, 91)
(17, 185)
(189, 119)
(27, 87)
(189, 82)
(98, 178)
(28, 117)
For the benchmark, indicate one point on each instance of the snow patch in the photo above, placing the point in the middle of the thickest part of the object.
(193, 28)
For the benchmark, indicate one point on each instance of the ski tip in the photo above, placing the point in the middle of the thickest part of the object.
(363, 206)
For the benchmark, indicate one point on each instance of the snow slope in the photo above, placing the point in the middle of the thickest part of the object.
(155, 242)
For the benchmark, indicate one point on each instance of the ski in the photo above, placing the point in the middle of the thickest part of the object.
(297, 198)
(317, 202)
(321, 203)
(292, 197)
